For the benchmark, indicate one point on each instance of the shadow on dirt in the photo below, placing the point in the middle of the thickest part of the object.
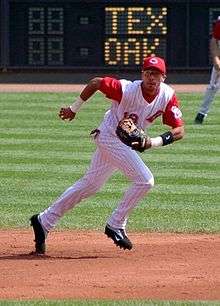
(35, 256)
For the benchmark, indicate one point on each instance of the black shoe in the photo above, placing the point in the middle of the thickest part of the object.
(40, 246)
(199, 118)
(119, 237)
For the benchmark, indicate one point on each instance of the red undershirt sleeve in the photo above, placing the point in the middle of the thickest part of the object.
(172, 115)
(111, 88)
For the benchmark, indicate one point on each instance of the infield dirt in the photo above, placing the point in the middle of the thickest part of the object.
(87, 265)
(181, 88)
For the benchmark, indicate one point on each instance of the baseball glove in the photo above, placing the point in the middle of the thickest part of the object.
(132, 136)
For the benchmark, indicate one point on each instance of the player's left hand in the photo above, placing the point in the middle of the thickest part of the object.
(145, 145)
(66, 114)
(132, 136)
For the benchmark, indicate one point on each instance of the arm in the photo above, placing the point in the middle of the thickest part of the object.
(173, 118)
(69, 113)
(91, 88)
(215, 52)
(166, 138)
(178, 133)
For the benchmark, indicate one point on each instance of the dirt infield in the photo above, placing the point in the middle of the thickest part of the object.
(87, 265)
(78, 87)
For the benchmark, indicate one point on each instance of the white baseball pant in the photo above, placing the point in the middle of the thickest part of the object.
(111, 155)
(211, 90)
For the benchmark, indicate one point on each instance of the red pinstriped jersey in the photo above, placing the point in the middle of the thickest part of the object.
(128, 100)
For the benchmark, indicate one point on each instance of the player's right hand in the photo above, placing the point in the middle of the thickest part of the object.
(217, 64)
(217, 67)
(66, 114)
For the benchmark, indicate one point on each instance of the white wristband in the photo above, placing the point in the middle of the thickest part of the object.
(76, 105)
(156, 142)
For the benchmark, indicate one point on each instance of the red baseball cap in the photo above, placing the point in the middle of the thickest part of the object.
(216, 29)
(154, 62)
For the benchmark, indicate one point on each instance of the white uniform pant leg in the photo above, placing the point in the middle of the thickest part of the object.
(210, 93)
(130, 163)
(89, 184)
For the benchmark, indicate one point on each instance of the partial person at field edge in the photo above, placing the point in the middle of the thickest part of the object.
(214, 84)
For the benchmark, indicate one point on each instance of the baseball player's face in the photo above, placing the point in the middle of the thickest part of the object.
(152, 79)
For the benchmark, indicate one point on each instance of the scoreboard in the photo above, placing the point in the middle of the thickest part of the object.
(132, 33)
(105, 34)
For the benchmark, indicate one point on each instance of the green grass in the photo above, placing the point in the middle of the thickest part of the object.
(41, 156)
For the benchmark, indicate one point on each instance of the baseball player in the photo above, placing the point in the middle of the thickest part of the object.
(214, 84)
(142, 100)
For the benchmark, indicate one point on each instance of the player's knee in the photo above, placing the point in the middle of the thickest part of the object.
(150, 182)
(147, 183)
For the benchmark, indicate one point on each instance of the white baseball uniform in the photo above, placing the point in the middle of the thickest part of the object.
(111, 154)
